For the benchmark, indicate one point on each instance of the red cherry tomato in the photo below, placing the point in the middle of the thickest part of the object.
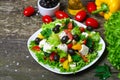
(92, 23)
(82, 29)
(81, 15)
(28, 11)
(52, 56)
(70, 36)
(91, 6)
(70, 26)
(46, 19)
(62, 59)
(61, 14)
(69, 45)
(36, 48)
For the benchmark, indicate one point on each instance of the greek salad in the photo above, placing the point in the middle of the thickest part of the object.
(65, 45)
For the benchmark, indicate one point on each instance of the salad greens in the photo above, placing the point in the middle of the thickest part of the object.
(46, 33)
(76, 30)
(112, 36)
(63, 51)
(54, 39)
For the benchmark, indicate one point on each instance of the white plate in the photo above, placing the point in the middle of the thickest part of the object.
(57, 70)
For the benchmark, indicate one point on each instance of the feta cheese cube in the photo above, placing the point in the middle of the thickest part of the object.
(42, 42)
(84, 33)
(58, 24)
(84, 50)
(62, 47)
(62, 34)
(47, 47)
(72, 65)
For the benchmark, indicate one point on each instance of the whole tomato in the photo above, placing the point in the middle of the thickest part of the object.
(46, 19)
(91, 6)
(81, 15)
(28, 11)
(61, 14)
(92, 23)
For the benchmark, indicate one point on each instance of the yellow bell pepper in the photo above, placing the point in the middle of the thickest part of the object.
(40, 36)
(66, 64)
(77, 46)
(107, 7)
(69, 58)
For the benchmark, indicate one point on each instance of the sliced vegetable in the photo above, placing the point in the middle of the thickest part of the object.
(40, 36)
(62, 59)
(69, 58)
(77, 46)
(69, 45)
(36, 48)
(70, 25)
(83, 57)
(82, 29)
(52, 56)
(66, 64)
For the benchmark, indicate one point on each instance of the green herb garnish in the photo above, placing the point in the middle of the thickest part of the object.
(103, 72)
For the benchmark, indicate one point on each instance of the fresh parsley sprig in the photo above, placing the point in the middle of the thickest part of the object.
(103, 72)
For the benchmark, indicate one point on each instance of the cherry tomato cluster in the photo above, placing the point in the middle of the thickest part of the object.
(80, 16)
(58, 15)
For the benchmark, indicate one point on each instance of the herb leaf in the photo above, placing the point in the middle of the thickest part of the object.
(46, 33)
(103, 72)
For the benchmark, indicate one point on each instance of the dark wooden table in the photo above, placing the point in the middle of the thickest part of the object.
(16, 62)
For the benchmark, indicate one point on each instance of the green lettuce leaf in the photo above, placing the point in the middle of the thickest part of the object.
(54, 39)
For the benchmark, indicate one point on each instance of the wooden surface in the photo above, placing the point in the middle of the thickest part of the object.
(16, 62)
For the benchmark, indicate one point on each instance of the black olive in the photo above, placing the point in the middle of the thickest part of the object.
(56, 30)
(56, 57)
(57, 26)
(76, 37)
(37, 40)
(71, 51)
(48, 3)
(64, 39)
(89, 28)
(91, 50)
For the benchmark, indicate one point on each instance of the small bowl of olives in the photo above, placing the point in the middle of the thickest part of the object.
(48, 7)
